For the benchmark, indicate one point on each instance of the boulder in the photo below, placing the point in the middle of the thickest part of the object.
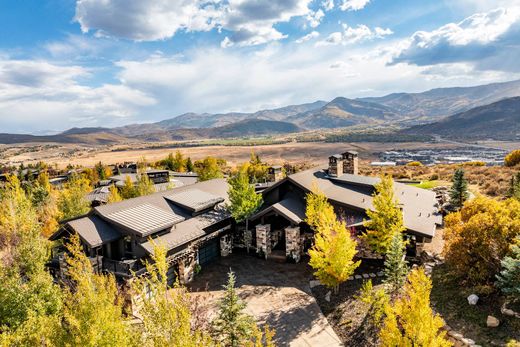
(327, 296)
(473, 299)
(314, 283)
(492, 322)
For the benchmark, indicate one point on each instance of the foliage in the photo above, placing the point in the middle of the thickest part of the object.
(459, 189)
(513, 158)
(144, 185)
(478, 237)
(114, 195)
(175, 163)
(514, 189)
(261, 338)
(209, 168)
(332, 256)
(410, 321)
(376, 300)
(395, 265)
(385, 220)
(232, 327)
(242, 196)
(508, 280)
(165, 313)
(128, 190)
(189, 165)
(92, 314)
(414, 163)
(103, 171)
(256, 170)
(72, 200)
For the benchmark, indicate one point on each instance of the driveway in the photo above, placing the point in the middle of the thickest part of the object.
(276, 293)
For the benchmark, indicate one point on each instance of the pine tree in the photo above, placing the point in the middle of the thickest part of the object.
(385, 220)
(514, 189)
(459, 189)
(509, 278)
(244, 201)
(189, 165)
(395, 265)
(410, 321)
(232, 327)
(332, 256)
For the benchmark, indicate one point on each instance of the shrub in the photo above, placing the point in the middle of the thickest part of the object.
(513, 158)
(414, 163)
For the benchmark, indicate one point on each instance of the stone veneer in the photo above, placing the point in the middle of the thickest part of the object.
(226, 245)
(293, 243)
(263, 239)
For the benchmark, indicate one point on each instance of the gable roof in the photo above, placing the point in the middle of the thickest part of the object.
(93, 230)
(291, 208)
(420, 213)
(195, 200)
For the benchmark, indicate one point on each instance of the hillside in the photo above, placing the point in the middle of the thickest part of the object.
(443, 102)
(499, 120)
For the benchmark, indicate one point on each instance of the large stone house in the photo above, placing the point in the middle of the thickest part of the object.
(194, 225)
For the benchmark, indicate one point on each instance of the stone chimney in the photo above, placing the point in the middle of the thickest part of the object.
(350, 162)
(335, 165)
(274, 173)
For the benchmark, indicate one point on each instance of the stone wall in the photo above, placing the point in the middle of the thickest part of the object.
(263, 239)
(293, 243)
(187, 268)
(226, 245)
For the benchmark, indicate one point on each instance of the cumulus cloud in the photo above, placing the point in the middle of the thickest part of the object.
(353, 5)
(32, 91)
(250, 21)
(489, 40)
(309, 36)
(314, 18)
(327, 5)
(351, 35)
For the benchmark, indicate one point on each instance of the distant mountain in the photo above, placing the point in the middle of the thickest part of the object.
(343, 112)
(443, 102)
(90, 137)
(499, 120)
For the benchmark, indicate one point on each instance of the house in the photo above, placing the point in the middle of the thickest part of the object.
(279, 225)
(162, 179)
(190, 221)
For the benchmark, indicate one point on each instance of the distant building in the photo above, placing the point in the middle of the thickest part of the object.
(383, 163)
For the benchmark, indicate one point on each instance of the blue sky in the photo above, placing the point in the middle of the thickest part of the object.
(66, 63)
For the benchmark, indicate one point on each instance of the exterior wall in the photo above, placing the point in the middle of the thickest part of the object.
(293, 243)
(263, 239)
(335, 167)
(350, 163)
(226, 245)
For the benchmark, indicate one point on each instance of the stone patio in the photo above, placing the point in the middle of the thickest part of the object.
(276, 293)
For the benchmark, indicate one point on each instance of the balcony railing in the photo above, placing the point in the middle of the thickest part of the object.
(124, 267)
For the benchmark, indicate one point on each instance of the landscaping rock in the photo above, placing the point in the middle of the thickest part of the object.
(508, 312)
(467, 341)
(492, 322)
(327, 296)
(358, 277)
(473, 299)
(365, 276)
(372, 275)
(314, 283)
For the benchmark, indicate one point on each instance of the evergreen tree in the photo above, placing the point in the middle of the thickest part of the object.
(410, 321)
(509, 278)
(232, 327)
(395, 264)
(114, 195)
(189, 165)
(243, 197)
(459, 189)
(514, 189)
(385, 220)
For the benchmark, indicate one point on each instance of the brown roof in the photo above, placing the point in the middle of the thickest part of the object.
(93, 230)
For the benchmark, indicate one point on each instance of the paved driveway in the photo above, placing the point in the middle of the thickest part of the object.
(276, 293)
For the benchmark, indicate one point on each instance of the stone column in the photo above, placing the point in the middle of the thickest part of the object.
(293, 243)
(187, 269)
(226, 245)
(263, 239)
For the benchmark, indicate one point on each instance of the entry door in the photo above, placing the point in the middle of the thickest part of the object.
(209, 251)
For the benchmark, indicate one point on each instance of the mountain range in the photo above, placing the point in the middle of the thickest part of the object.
(444, 107)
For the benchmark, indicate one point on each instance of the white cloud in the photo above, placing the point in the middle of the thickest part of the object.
(351, 35)
(309, 36)
(249, 21)
(314, 18)
(353, 5)
(489, 40)
(327, 5)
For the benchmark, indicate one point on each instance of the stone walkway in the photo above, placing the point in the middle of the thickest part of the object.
(276, 293)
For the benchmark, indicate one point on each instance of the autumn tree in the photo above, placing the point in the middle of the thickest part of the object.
(189, 165)
(128, 190)
(93, 313)
(208, 168)
(459, 189)
(244, 201)
(333, 252)
(72, 201)
(478, 237)
(103, 171)
(376, 301)
(386, 218)
(410, 320)
(508, 280)
(114, 195)
(514, 189)
(395, 264)
(513, 158)
(144, 186)
(232, 327)
(165, 312)
(44, 199)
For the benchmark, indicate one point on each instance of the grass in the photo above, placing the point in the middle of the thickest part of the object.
(449, 299)
(427, 184)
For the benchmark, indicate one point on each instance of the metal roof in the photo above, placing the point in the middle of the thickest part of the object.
(194, 199)
(145, 219)
(93, 230)
(291, 208)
